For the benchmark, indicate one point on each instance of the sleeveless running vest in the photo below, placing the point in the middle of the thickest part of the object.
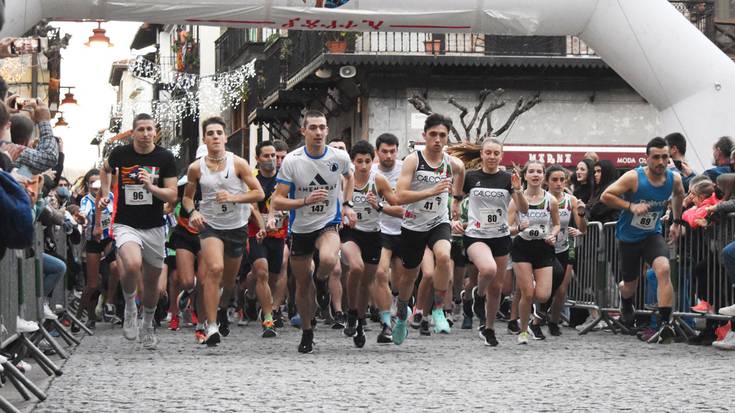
(488, 206)
(427, 213)
(390, 225)
(565, 216)
(636, 228)
(539, 219)
(368, 219)
(226, 215)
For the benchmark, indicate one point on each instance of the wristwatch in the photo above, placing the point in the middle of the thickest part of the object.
(348, 204)
(458, 198)
(381, 205)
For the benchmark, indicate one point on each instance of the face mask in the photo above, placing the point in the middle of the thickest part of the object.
(268, 166)
(63, 192)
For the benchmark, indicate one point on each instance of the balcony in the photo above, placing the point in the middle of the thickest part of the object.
(237, 46)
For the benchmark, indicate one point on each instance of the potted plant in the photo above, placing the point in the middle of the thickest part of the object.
(337, 42)
(433, 44)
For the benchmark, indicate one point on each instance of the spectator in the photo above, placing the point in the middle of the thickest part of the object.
(721, 153)
(605, 174)
(583, 183)
(45, 156)
(3, 89)
(678, 149)
(592, 156)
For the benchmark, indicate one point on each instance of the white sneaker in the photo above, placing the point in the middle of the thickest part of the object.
(25, 326)
(148, 337)
(130, 326)
(48, 314)
(730, 311)
(727, 343)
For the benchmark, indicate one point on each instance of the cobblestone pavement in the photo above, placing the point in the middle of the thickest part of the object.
(454, 372)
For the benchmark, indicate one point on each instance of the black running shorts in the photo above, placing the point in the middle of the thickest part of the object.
(305, 244)
(368, 242)
(633, 254)
(270, 249)
(413, 243)
(535, 252)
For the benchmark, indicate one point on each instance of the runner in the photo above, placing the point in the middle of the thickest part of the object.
(309, 185)
(556, 178)
(361, 245)
(533, 248)
(266, 237)
(390, 231)
(424, 189)
(643, 194)
(145, 176)
(487, 234)
(227, 185)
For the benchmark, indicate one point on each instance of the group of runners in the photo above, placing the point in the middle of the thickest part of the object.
(317, 209)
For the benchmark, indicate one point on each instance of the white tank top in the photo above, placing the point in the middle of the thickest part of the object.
(227, 215)
(539, 219)
(390, 225)
(427, 213)
(368, 219)
(565, 215)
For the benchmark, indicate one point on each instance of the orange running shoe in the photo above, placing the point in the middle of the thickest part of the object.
(201, 336)
(703, 307)
(173, 325)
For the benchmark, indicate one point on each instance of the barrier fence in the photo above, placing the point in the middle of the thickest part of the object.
(697, 273)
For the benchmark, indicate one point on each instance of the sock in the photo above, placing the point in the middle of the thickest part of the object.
(148, 316)
(402, 309)
(129, 301)
(439, 298)
(664, 314)
(200, 327)
(351, 317)
(268, 317)
(385, 317)
(627, 303)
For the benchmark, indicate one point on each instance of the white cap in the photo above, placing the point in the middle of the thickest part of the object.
(201, 151)
(97, 184)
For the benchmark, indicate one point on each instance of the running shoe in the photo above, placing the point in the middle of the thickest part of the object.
(646, 333)
(48, 314)
(91, 324)
(503, 313)
(359, 338)
(269, 330)
(554, 329)
(307, 342)
(386, 335)
(721, 331)
(173, 325)
(109, 313)
(441, 325)
(400, 332)
(727, 343)
(350, 329)
(374, 314)
(339, 321)
(213, 336)
(130, 326)
(278, 318)
(536, 332)
(478, 305)
(148, 337)
(728, 311)
(296, 321)
(322, 293)
(467, 323)
(200, 336)
(513, 327)
(450, 317)
(705, 338)
(627, 316)
(416, 318)
(523, 337)
(666, 335)
(224, 322)
(251, 308)
(243, 319)
(703, 307)
(488, 334)
(424, 328)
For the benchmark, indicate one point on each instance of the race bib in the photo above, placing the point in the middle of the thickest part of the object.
(317, 210)
(137, 195)
(430, 205)
(105, 221)
(490, 218)
(537, 231)
(365, 213)
(646, 222)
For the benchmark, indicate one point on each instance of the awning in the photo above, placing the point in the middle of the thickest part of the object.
(628, 156)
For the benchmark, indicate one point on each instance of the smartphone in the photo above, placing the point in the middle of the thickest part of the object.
(27, 45)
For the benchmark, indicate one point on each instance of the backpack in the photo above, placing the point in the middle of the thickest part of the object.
(16, 216)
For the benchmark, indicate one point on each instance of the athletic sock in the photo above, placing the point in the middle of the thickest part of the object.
(385, 317)
(664, 314)
(268, 317)
(129, 300)
(351, 317)
(402, 309)
(439, 298)
(627, 303)
(148, 314)
(200, 327)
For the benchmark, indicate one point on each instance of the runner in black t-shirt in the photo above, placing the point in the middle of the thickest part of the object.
(145, 177)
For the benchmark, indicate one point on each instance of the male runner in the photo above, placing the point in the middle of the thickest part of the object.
(643, 194)
(309, 185)
(228, 185)
(426, 178)
(390, 232)
(266, 236)
(146, 178)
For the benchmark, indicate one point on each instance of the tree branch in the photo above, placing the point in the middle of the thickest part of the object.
(522, 106)
(462, 115)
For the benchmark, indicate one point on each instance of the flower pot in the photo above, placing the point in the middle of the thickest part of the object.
(337, 46)
(433, 46)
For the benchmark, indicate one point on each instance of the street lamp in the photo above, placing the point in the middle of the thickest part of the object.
(98, 38)
(68, 98)
(61, 122)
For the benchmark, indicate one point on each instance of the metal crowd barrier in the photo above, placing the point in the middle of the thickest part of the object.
(697, 272)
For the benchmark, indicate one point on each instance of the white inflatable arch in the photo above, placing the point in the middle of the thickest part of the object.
(647, 42)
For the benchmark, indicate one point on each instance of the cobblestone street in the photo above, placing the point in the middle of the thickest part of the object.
(457, 372)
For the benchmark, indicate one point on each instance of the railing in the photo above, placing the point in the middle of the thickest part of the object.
(700, 13)
(233, 43)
